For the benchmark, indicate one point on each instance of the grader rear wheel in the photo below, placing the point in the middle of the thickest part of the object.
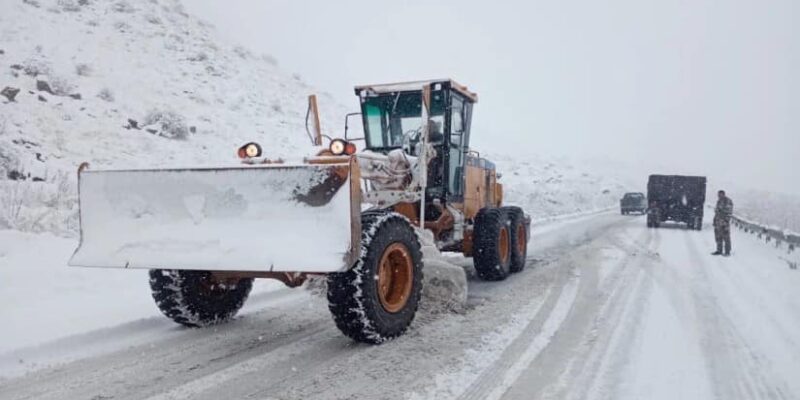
(492, 244)
(519, 238)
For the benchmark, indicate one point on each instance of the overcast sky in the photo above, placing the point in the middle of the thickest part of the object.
(695, 86)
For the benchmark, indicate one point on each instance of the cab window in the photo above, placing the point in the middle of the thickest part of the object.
(389, 117)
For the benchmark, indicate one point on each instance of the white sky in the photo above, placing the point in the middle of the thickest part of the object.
(694, 86)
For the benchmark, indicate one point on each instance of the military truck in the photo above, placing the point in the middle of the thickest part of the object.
(633, 202)
(676, 198)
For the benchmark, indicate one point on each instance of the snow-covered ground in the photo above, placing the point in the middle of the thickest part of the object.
(607, 309)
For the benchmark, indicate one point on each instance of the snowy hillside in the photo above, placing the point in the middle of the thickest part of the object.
(143, 84)
(775, 209)
(133, 84)
(546, 187)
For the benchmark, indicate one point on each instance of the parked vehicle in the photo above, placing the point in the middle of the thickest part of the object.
(633, 202)
(676, 198)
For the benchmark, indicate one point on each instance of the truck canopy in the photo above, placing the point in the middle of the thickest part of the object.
(686, 190)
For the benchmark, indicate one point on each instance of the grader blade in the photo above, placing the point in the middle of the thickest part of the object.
(261, 218)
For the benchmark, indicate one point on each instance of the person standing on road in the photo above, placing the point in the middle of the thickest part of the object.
(722, 224)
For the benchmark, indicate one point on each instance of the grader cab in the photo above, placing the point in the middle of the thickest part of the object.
(356, 217)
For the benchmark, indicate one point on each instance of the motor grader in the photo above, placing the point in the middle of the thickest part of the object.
(356, 217)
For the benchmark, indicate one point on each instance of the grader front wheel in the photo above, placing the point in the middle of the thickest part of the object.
(377, 299)
(395, 273)
(196, 298)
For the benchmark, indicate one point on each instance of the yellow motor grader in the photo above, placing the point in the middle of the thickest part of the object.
(355, 216)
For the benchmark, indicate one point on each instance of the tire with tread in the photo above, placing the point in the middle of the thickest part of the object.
(195, 299)
(490, 263)
(519, 252)
(353, 296)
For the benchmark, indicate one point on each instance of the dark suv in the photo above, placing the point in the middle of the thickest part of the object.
(633, 202)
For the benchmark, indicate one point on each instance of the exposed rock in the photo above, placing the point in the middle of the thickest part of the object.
(9, 92)
(17, 67)
(132, 124)
(15, 175)
(27, 143)
(83, 70)
(2, 52)
(43, 86)
(105, 94)
(69, 6)
(192, 129)
(34, 67)
(123, 7)
(42, 98)
(166, 124)
(76, 96)
(199, 57)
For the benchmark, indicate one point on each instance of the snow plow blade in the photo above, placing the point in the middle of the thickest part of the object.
(303, 218)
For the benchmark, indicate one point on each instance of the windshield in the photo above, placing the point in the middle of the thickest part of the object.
(387, 118)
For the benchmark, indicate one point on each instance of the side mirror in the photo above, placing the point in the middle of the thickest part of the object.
(346, 124)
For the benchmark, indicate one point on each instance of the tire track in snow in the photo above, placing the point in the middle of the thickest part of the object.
(738, 372)
(145, 370)
(103, 341)
(598, 372)
(544, 323)
(548, 330)
(594, 336)
(268, 369)
(753, 281)
(564, 327)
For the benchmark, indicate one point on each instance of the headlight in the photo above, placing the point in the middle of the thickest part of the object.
(250, 150)
(338, 147)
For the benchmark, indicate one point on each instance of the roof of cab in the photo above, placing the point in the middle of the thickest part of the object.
(417, 85)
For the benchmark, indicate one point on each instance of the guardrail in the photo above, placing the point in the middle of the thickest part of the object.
(771, 234)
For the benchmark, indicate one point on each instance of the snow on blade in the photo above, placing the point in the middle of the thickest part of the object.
(281, 218)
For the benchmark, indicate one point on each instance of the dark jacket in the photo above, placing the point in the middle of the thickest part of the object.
(724, 210)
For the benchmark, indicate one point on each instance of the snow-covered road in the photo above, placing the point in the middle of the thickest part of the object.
(606, 309)
(658, 317)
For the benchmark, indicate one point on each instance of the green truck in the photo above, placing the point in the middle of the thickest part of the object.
(676, 198)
